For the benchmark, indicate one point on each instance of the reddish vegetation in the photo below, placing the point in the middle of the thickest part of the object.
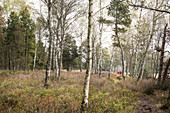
(24, 92)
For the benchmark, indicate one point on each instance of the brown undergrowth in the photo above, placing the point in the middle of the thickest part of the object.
(151, 96)
(23, 92)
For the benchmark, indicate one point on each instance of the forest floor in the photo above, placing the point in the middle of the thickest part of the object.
(22, 92)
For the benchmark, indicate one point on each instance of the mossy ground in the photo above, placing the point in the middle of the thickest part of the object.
(23, 92)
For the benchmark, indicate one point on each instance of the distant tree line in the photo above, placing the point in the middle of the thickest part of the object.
(21, 37)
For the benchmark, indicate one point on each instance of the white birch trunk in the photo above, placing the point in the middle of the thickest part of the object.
(95, 61)
(81, 53)
(48, 68)
(35, 55)
(62, 25)
(84, 104)
(53, 55)
(81, 57)
(100, 46)
(110, 67)
(136, 60)
(147, 47)
(123, 65)
(56, 59)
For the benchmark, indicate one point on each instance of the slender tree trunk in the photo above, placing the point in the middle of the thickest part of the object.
(93, 54)
(48, 68)
(60, 61)
(56, 60)
(147, 47)
(143, 63)
(28, 59)
(157, 64)
(81, 53)
(166, 70)
(35, 55)
(84, 104)
(95, 61)
(25, 66)
(100, 59)
(127, 66)
(123, 65)
(162, 56)
(121, 48)
(157, 57)
(62, 25)
(100, 39)
(143, 67)
(131, 59)
(152, 61)
(152, 65)
(110, 67)
(13, 59)
(9, 58)
(68, 66)
(80, 59)
(56, 49)
(136, 59)
(53, 56)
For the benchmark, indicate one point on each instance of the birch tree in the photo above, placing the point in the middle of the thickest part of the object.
(66, 14)
(111, 62)
(148, 45)
(100, 41)
(84, 104)
(48, 67)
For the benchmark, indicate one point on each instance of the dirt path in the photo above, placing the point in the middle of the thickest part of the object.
(146, 106)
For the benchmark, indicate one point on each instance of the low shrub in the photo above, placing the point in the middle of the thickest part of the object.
(24, 93)
(119, 77)
(149, 91)
(140, 86)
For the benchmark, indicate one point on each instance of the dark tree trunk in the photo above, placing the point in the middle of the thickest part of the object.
(166, 70)
(162, 56)
(80, 59)
(28, 60)
(53, 56)
(9, 58)
(25, 65)
(68, 67)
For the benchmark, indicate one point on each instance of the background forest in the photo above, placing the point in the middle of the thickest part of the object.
(57, 40)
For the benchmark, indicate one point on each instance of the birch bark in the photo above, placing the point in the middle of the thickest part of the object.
(84, 104)
(48, 68)
(110, 67)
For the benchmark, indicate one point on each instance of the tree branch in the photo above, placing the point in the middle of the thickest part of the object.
(142, 6)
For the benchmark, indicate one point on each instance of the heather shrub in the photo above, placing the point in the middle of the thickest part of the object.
(141, 86)
(24, 93)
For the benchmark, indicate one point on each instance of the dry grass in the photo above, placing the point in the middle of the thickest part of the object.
(140, 86)
(24, 92)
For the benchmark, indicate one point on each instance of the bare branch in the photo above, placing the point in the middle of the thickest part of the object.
(142, 6)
